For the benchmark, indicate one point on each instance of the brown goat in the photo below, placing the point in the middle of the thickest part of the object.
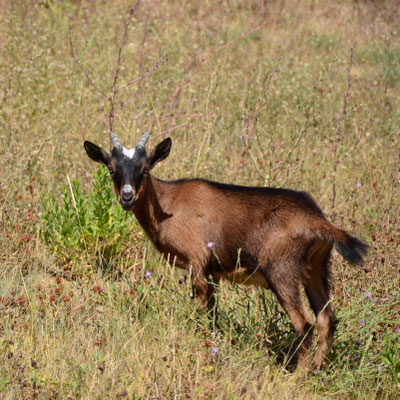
(275, 238)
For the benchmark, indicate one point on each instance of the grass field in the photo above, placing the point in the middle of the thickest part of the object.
(304, 95)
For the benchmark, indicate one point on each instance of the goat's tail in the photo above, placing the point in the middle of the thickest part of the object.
(349, 247)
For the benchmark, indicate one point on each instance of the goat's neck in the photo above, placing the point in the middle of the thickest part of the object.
(148, 210)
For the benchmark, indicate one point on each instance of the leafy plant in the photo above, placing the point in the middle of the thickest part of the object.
(390, 358)
(88, 226)
(4, 382)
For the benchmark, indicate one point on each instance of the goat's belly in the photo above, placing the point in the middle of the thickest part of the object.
(241, 275)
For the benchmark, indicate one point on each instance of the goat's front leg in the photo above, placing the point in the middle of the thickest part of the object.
(204, 293)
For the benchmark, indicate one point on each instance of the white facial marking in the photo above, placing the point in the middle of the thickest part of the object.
(128, 152)
(127, 189)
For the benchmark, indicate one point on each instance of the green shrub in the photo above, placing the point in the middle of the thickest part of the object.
(389, 356)
(92, 227)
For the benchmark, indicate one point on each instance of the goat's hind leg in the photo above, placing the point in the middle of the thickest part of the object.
(317, 290)
(289, 296)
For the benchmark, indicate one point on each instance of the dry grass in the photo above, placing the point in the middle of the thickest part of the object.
(250, 92)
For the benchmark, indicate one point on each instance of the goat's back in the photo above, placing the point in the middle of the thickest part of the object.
(251, 219)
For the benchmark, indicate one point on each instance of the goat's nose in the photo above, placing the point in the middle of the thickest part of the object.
(127, 196)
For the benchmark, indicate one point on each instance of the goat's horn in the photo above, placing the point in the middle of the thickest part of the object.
(115, 141)
(143, 140)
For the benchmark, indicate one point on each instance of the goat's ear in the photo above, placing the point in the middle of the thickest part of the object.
(159, 153)
(96, 153)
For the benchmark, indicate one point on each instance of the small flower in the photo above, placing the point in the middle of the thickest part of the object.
(180, 281)
(147, 275)
(398, 330)
(362, 322)
(359, 342)
(210, 245)
(379, 367)
(358, 185)
(367, 294)
(215, 351)
(355, 356)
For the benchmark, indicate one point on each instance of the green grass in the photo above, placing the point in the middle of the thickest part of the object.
(209, 79)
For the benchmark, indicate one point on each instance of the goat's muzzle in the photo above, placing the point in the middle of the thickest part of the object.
(127, 199)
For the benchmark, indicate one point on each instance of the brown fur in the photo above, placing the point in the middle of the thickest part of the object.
(276, 239)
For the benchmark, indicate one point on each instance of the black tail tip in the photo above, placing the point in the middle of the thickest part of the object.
(352, 250)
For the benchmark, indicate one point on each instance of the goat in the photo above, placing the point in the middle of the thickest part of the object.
(275, 238)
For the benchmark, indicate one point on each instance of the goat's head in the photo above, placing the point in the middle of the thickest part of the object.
(128, 166)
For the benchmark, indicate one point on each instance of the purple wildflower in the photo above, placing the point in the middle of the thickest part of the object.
(398, 330)
(210, 245)
(355, 356)
(362, 322)
(368, 294)
(359, 342)
(215, 351)
(180, 281)
(358, 185)
(147, 275)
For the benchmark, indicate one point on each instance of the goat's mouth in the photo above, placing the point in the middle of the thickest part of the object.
(128, 205)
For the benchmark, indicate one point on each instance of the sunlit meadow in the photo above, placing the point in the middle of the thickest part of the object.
(304, 95)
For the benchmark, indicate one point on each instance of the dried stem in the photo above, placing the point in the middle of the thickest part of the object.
(142, 80)
(114, 88)
(109, 118)
(240, 36)
(81, 67)
(251, 127)
(338, 133)
(112, 98)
